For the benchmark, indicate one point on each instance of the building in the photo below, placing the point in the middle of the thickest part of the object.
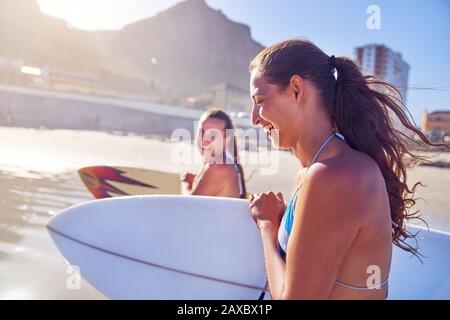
(436, 122)
(227, 97)
(387, 65)
(17, 72)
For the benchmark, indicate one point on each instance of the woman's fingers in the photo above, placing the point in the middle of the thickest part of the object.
(265, 195)
(253, 198)
(276, 195)
(280, 196)
(187, 177)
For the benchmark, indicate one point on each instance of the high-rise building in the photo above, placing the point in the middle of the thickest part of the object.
(387, 65)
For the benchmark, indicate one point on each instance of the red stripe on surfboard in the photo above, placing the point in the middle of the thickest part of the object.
(98, 177)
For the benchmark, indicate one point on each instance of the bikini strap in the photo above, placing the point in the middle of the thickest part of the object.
(319, 151)
(363, 288)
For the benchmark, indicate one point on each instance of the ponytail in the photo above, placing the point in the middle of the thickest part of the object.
(363, 110)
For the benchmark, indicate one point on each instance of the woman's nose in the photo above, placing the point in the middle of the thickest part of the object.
(255, 115)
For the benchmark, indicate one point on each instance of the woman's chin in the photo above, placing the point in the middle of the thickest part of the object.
(275, 139)
(280, 146)
(275, 144)
(207, 155)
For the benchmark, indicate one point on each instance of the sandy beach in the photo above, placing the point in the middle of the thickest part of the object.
(38, 178)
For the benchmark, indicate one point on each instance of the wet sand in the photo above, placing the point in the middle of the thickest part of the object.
(30, 265)
(38, 178)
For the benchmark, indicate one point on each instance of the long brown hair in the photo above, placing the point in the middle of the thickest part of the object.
(361, 108)
(214, 113)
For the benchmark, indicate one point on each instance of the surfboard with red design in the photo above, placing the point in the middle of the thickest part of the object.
(111, 181)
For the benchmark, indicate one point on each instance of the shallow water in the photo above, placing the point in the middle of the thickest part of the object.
(30, 265)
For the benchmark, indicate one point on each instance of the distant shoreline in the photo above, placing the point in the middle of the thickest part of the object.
(32, 107)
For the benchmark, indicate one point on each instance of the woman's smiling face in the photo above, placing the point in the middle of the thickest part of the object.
(211, 138)
(274, 109)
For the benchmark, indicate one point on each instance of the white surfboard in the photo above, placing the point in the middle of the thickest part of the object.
(412, 279)
(164, 247)
(185, 247)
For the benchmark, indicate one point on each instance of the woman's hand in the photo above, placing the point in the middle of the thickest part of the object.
(188, 178)
(267, 209)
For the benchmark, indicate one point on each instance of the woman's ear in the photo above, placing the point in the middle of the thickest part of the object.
(296, 85)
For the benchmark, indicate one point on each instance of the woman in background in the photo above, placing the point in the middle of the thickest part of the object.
(222, 174)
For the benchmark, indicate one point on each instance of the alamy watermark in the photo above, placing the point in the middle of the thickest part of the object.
(373, 21)
(374, 279)
(73, 281)
(213, 142)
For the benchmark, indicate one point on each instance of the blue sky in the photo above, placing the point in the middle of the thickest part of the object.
(418, 29)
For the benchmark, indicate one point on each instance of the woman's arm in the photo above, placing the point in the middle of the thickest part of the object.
(267, 209)
(187, 179)
(275, 265)
(276, 269)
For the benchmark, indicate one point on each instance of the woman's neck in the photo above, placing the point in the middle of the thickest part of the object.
(221, 158)
(307, 145)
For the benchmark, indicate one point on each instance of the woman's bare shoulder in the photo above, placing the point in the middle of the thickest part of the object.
(349, 168)
(219, 171)
(345, 181)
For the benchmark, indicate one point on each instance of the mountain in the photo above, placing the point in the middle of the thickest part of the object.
(193, 45)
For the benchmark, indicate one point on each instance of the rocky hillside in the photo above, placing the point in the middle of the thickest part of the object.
(193, 45)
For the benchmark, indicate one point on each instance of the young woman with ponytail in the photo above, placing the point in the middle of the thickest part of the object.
(222, 174)
(334, 238)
